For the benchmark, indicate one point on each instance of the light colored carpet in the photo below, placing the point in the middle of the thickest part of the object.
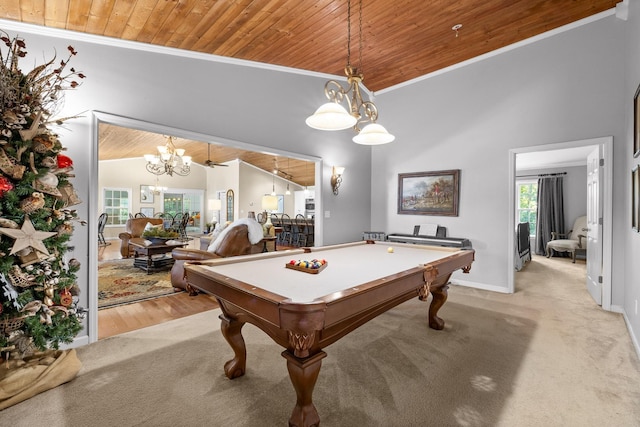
(544, 356)
(119, 282)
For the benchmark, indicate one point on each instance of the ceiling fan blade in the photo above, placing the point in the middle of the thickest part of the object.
(210, 162)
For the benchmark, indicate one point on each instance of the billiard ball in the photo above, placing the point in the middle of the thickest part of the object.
(390, 249)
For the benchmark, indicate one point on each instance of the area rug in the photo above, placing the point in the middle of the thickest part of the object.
(119, 282)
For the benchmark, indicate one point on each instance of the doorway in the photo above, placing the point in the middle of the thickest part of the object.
(605, 145)
(97, 119)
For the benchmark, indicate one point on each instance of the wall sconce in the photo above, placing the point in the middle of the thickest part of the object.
(336, 178)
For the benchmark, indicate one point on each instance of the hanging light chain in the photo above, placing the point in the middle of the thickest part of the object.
(348, 33)
(360, 40)
(359, 68)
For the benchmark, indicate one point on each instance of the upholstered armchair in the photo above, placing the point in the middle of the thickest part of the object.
(575, 239)
(133, 228)
(241, 237)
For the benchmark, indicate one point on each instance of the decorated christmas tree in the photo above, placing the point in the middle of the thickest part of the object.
(39, 305)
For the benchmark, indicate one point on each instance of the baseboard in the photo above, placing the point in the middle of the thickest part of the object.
(478, 285)
(632, 334)
(78, 341)
(616, 309)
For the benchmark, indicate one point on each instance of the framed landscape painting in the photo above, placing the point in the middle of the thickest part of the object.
(429, 193)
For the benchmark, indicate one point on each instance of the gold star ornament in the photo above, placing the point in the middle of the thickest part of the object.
(27, 237)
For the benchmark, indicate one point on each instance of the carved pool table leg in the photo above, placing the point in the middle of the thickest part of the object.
(439, 298)
(303, 374)
(232, 332)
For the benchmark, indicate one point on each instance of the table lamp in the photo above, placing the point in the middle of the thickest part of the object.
(269, 203)
(215, 205)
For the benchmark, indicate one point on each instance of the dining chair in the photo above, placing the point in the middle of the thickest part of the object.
(287, 225)
(102, 222)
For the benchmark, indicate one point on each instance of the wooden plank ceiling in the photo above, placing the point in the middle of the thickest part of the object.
(122, 143)
(401, 39)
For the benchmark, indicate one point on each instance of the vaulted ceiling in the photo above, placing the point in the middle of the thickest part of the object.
(122, 143)
(401, 39)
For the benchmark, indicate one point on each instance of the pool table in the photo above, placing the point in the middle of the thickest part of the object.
(304, 312)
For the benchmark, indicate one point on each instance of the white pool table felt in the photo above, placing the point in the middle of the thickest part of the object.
(348, 267)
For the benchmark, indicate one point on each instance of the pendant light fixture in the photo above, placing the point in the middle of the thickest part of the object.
(333, 116)
(288, 192)
(169, 160)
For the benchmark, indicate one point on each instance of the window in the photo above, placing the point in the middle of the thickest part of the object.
(176, 202)
(527, 204)
(116, 202)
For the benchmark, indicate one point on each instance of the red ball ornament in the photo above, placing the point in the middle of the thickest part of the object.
(5, 185)
(66, 299)
(64, 161)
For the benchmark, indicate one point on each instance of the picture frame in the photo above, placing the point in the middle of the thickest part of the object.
(147, 212)
(635, 199)
(636, 123)
(429, 193)
(146, 194)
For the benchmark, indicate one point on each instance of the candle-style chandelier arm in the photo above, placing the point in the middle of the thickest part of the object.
(335, 92)
(363, 111)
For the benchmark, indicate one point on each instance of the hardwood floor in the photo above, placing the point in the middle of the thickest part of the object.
(129, 317)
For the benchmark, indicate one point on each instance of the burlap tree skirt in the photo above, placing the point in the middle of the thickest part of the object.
(22, 379)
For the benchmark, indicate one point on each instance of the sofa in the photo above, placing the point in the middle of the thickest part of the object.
(241, 237)
(133, 228)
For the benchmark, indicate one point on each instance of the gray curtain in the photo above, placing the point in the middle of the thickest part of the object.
(550, 211)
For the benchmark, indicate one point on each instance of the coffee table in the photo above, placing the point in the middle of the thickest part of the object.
(144, 255)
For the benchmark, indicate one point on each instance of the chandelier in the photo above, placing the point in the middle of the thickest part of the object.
(333, 116)
(157, 189)
(169, 160)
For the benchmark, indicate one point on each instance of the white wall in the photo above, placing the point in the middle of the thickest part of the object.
(255, 183)
(563, 88)
(628, 240)
(223, 179)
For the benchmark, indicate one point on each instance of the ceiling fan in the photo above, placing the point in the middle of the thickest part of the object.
(210, 163)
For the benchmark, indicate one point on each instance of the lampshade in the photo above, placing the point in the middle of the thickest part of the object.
(331, 116)
(215, 204)
(269, 203)
(373, 134)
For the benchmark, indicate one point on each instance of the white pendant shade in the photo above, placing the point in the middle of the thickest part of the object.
(331, 116)
(373, 134)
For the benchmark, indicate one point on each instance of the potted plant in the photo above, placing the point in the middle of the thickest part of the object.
(159, 235)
